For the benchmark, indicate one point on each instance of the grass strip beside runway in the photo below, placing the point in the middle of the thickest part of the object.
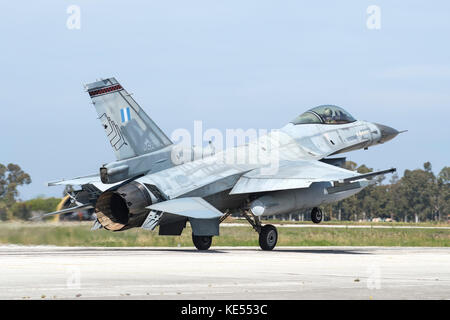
(79, 234)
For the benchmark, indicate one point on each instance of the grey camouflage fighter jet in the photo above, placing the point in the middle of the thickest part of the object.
(154, 182)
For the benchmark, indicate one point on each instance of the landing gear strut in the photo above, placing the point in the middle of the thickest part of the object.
(316, 215)
(268, 234)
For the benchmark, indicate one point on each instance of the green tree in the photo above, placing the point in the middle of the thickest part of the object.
(43, 204)
(418, 187)
(441, 200)
(444, 175)
(20, 210)
(350, 165)
(365, 201)
(11, 177)
(4, 212)
(418, 194)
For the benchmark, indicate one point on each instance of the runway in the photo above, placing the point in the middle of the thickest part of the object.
(47, 272)
(337, 226)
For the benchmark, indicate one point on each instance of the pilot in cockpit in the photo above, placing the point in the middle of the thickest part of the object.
(325, 114)
(328, 116)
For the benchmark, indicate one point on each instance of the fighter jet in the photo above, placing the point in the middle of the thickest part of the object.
(153, 183)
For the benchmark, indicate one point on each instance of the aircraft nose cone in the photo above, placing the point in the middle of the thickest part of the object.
(387, 133)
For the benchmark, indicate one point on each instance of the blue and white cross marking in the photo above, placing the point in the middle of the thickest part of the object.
(125, 114)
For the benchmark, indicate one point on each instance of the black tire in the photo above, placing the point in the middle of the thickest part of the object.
(268, 237)
(316, 215)
(202, 242)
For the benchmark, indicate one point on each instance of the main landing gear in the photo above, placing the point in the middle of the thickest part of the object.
(268, 237)
(202, 242)
(316, 215)
(268, 234)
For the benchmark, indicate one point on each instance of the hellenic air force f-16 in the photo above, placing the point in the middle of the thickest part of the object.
(148, 186)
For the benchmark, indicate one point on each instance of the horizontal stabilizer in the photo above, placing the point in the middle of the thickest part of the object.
(93, 180)
(76, 181)
(194, 207)
(69, 210)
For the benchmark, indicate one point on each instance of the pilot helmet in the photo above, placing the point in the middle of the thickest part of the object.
(327, 112)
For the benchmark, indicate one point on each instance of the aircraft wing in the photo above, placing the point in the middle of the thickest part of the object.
(296, 175)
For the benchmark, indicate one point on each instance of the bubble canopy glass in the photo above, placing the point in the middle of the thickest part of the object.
(327, 114)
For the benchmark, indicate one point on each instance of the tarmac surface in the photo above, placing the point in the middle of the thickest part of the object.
(48, 272)
(338, 226)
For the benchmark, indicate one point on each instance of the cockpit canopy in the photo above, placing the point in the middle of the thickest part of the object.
(325, 114)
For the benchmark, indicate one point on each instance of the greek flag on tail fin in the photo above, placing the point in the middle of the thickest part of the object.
(128, 128)
(125, 113)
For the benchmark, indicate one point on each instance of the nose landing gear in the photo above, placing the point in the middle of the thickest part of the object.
(316, 215)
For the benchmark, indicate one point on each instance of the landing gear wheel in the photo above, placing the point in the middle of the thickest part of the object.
(316, 215)
(202, 242)
(268, 237)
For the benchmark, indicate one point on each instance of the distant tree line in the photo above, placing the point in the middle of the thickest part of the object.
(11, 177)
(419, 195)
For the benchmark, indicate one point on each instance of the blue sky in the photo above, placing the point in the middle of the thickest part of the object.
(232, 64)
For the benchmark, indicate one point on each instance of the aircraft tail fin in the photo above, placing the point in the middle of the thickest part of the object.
(128, 128)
